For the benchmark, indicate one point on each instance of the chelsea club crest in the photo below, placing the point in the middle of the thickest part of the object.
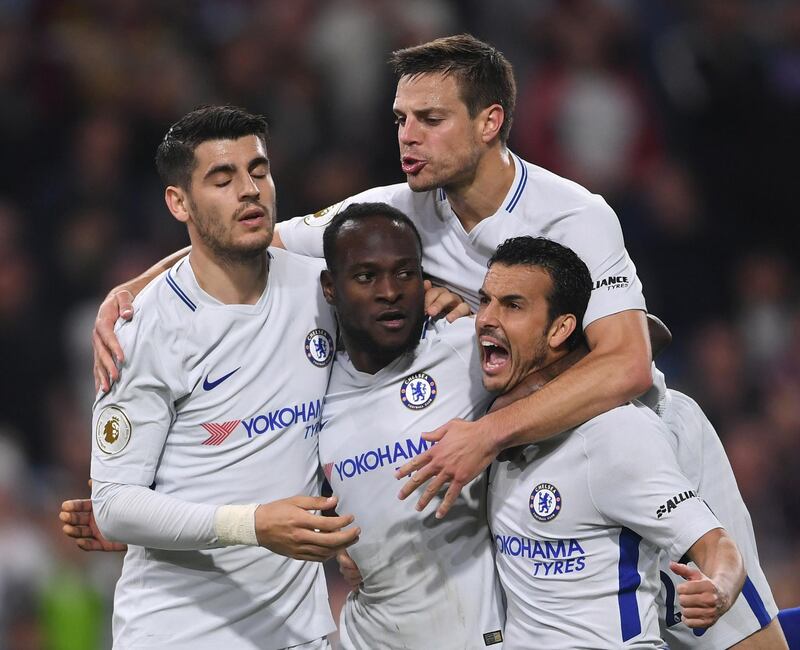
(319, 347)
(417, 391)
(545, 502)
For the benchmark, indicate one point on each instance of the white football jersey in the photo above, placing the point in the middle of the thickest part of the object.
(219, 404)
(702, 459)
(539, 203)
(428, 583)
(579, 522)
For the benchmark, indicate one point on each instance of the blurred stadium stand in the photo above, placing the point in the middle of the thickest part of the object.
(684, 114)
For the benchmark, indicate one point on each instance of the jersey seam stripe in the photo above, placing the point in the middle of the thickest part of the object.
(520, 186)
(753, 599)
(629, 581)
(174, 286)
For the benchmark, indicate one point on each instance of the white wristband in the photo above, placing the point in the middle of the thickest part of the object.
(236, 525)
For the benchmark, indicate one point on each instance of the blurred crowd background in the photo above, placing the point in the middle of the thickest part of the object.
(685, 115)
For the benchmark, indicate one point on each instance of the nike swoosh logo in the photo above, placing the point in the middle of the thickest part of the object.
(209, 385)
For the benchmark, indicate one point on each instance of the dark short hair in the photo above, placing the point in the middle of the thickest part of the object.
(484, 75)
(357, 212)
(571, 280)
(175, 159)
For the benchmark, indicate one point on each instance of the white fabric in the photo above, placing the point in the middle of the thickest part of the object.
(702, 459)
(563, 577)
(223, 405)
(539, 203)
(428, 583)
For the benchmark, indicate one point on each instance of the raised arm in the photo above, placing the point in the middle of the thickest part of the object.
(108, 354)
(617, 369)
(710, 589)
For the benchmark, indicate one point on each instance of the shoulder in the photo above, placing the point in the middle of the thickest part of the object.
(549, 193)
(164, 305)
(283, 261)
(623, 432)
(458, 335)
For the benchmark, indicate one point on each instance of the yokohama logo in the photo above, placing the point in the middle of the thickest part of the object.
(219, 431)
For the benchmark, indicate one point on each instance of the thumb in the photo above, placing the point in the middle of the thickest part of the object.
(686, 572)
(427, 284)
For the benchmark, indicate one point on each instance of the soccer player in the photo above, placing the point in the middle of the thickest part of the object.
(578, 520)
(227, 364)
(426, 583)
(467, 193)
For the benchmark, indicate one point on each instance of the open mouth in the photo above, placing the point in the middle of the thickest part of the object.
(495, 356)
(411, 165)
(392, 320)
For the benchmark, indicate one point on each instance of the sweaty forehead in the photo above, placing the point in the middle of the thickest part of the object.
(532, 282)
(426, 90)
(375, 238)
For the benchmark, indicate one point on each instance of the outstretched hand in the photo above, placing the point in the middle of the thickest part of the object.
(107, 350)
(290, 527)
(702, 603)
(78, 519)
(462, 451)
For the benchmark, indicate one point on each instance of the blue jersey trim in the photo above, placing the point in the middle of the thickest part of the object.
(174, 286)
(629, 581)
(753, 599)
(520, 186)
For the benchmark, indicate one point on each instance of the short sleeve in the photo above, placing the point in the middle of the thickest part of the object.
(635, 481)
(594, 233)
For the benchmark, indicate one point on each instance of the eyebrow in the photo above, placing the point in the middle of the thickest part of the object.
(504, 298)
(228, 168)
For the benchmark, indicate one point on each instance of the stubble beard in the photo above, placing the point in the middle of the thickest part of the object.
(218, 241)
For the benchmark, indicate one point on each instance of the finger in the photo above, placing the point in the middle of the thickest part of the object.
(89, 544)
(412, 466)
(431, 491)
(346, 562)
(327, 524)
(99, 365)
(427, 286)
(459, 311)
(104, 359)
(415, 480)
(315, 503)
(125, 303)
(695, 587)
(438, 300)
(75, 518)
(696, 617)
(685, 571)
(77, 505)
(77, 532)
(105, 330)
(436, 435)
(335, 541)
(450, 497)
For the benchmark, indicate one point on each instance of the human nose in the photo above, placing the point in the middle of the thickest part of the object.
(408, 131)
(487, 315)
(388, 288)
(248, 188)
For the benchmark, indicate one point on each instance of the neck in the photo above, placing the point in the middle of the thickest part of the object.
(232, 282)
(534, 381)
(481, 195)
(367, 357)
